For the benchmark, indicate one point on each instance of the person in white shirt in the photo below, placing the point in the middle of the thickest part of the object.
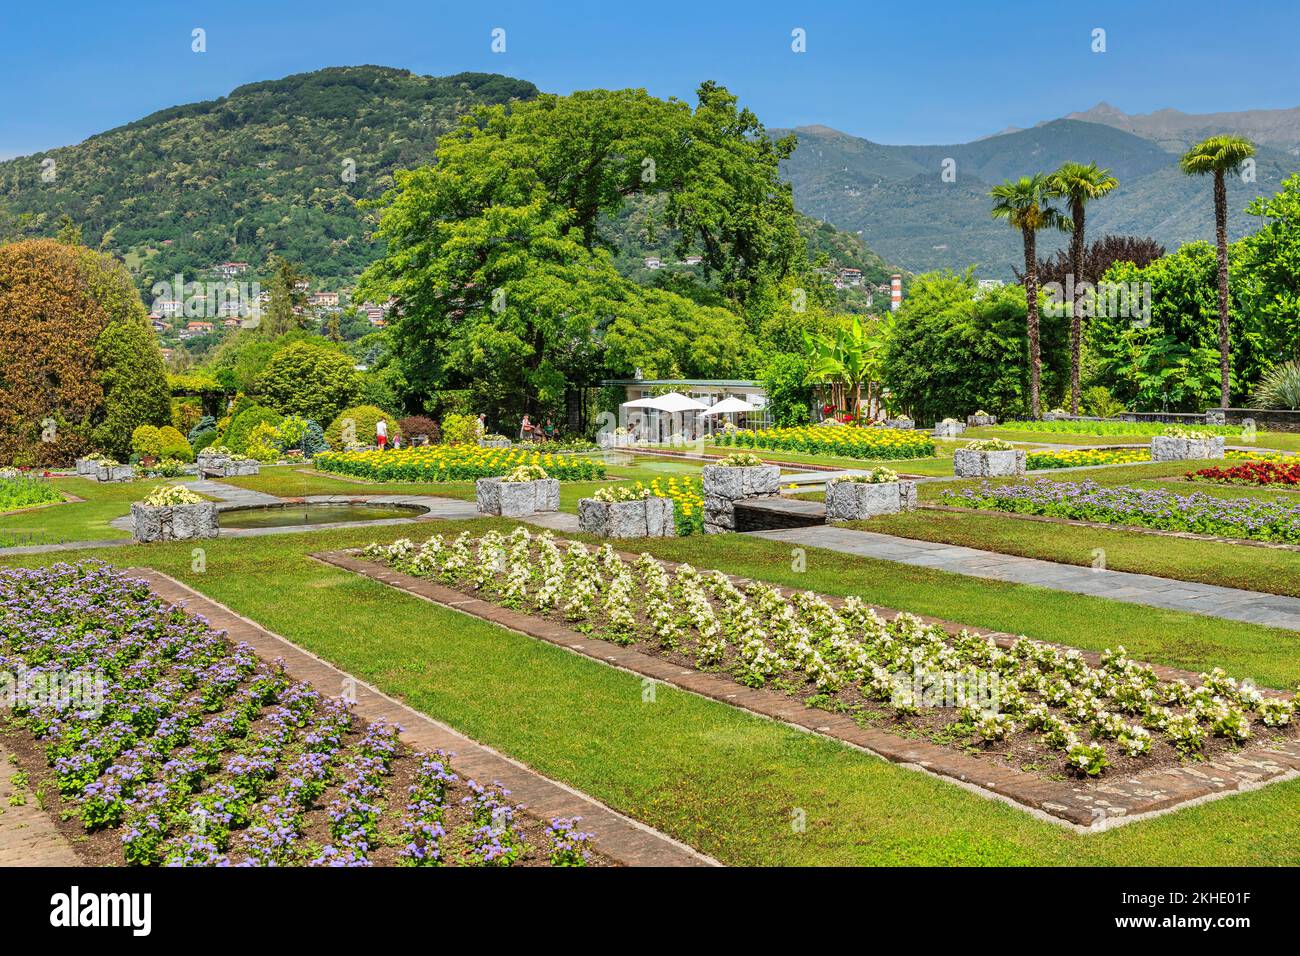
(381, 435)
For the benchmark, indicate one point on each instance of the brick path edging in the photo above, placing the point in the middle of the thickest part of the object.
(1120, 800)
(617, 836)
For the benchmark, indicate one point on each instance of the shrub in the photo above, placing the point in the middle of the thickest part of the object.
(147, 440)
(206, 423)
(314, 381)
(174, 444)
(1099, 402)
(415, 425)
(185, 414)
(201, 440)
(363, 419)
(242, 425)
(459, 429)
(1280, 387)
(262, 442)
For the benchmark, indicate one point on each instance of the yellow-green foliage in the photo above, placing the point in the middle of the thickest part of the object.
(173, 444)
(147, 440)
(262, 443)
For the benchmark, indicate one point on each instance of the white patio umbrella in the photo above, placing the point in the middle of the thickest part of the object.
(729, 406)
(675, 402)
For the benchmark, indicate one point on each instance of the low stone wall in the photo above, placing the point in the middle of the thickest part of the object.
(724, 486)
(1168, 448)
(112, 473)
(222, 466)
(969, 463)
(903, 423)
(980, 421)
(858, 500)
(1264, 419)
(642, 518)
(516, 499)
(174, 523)
(494, 443)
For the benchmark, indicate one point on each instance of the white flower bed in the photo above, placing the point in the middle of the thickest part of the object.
(1051, 705)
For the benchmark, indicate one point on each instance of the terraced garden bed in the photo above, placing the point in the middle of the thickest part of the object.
(1033, 722)
(182, 749)
(454, 463)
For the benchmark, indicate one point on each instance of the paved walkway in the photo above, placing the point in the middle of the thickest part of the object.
(1253, 607)
(28, 837)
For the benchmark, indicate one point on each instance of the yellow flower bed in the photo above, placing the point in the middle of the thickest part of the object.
(847, 441)
(455, 463)
(1082, 457)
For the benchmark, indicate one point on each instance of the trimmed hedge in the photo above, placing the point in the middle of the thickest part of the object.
(364, 419)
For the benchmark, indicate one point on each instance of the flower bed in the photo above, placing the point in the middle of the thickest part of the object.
(454, 463)
(198, 754)
(1200, 513)
(1036, 704)
(20, 491)
(847, 441)
(1075, 427)
(1252, 473)
(1084, 457)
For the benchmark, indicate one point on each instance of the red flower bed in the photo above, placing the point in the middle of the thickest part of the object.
(1251, 473)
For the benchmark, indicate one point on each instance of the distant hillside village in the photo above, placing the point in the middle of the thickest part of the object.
(224, 300)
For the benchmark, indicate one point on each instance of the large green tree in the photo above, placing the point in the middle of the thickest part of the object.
(1078, 184)
(311, 380)
(1024, 204)
(954, 350)
(496, 257)
(1217, 157)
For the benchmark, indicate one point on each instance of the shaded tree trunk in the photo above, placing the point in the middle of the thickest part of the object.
(1076, 322)
(1031, 307)
(1221, 241)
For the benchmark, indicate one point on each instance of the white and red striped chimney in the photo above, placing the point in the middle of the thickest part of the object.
(895, 292)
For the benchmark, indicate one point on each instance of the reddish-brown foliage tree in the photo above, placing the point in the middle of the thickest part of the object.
(74, 367)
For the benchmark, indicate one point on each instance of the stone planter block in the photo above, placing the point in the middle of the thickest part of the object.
(857, 500)
(494, 443)
(1167, 448)
(175, 523)
(114, 473)
(968, 463)
(644, 518)
(904, 423)
(978, 421)
(238, 469)
(723, 486)
(517, 499)
(948, 429)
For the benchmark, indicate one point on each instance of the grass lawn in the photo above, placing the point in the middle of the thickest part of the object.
(723, 781)
(86, 520)
(939, 465)
(1285, 441)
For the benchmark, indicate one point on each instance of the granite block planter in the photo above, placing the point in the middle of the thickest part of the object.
(948, 429)
(642, 518)
(517, 499)
(903, 423)
(858, 500)
(174, 522)
(494, 443)
(1168, 448)
(87, 467)
(724, 486)
(980, 421)
(223, 466)
(969, 463)
(114, 472)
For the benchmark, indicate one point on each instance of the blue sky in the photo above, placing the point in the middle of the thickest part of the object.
(908, 71)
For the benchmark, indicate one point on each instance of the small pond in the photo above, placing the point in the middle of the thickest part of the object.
(286, 516)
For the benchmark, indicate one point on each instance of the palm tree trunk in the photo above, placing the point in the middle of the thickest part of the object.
(1031, 307)
(1221, 239)
(1076, 322)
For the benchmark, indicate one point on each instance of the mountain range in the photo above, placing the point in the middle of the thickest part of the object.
(901, 203)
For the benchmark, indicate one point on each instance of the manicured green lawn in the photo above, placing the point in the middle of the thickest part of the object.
(1228, 565)
(1285, 441)
(723, 781)
(86, 520)
(940, 464)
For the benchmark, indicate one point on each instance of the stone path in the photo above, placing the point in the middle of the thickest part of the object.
(1253, 607)
(28, 837)
(240, 497)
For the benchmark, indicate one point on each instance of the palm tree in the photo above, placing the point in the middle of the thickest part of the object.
(1220, 155)
(1023, 203)
(1078, 184)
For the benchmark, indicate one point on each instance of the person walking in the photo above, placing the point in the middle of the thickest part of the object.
(381, 435)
